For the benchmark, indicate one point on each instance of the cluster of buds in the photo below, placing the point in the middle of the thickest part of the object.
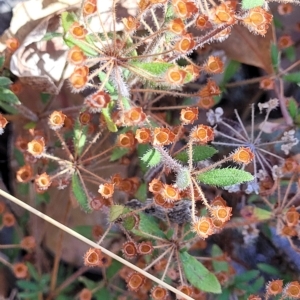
(220, 214)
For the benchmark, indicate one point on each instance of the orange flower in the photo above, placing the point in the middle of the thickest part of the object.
(274, 287)
(89, 8)
(12, 44)
(192, 70)
(292, 217)
(203, 134)
(177, 26)
(189, 115)
(202, 22)
(159, 293)
(184, 8)
(97, 101)
(206, 103)
(93, 257)
(8, 219)
(267, 84)
(143, 135)
(170, 193)
(211, 89)
(223, 14)
(79, 78)
(145, 248)
(175, 76)
(78, 31)
(243, 155)
(20, 270)
(185, 44)
(258, 20)
(85, 294)
(134, 116)
(76, 56)
(214, 65)
(106, 190)
(285, 41)
(203, 227)
(130, 23)
(292, 290)
(285, 8)
(135, 281)
(24, 174)
(56, 120)
(129, 250)
(28, 242)
(289, 231)
(126, 140)
(163, 136)
(222, 213)
(36, 147)
(186, 290)
(43, 181)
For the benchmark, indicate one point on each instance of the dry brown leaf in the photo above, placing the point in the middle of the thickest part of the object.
(248, 48)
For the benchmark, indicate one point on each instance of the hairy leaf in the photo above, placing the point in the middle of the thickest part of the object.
(152, 68)
(224, 177)
(183, 178)
(71, 41)
(80, 137)
(79, 193)
(198, 275)
(117, 153)
(115, 212)
(108, 120)
(4, 81)
(152, 158)
(67, 19)
(219, 265)
(248, 4)
(200, 152)
(148, 224)
(292, 77)
(8, 96)
(293, 108)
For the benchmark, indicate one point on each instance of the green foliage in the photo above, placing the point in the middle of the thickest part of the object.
(198, 275)
(200, 152)
(293, 77)
(141, 150)
(141, 193)
(152, 158)
(218, 266)
(261, 214)
(80, 137)
(148, 224)
(51, 35)
(67, 19)
(85, 230)
(224, 177)
(111, 126)
(290, 53)
(113, 269)
(2, 59)
(4, 81)
(115, 212)
(79, 193)
(152, 68)
(275, 56)
(183, 178)
(248, 4)
(230, 70)
(117, 153)
(8, 97)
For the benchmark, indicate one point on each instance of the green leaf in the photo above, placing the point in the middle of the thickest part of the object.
(104, 293)
(198, 275)
(19, 157)
(246, 277)
(129, 222)
(8, 96)
(45, 97)
(275, 56)
(79, 193)
(200, 152)
(29, 295)
(71, 41)
(30, 125)
(148, 224)
(261, 214)
(4, 81)
(33, 272)
(268, 269)
(218, 266)
(88, 283)
(85, 230)
(141, 193)
(183, 178)
(67, 19)
(293, 108)
(292, 77)
(108, 85)
(51, 35)
(117, 153)
(8, 108)
(113, 269)
(152, 68)
(248, 4)
(230, 71)
(108, 120)
(115, 212)
(28, 285)
(80, 137)
(42, 198)
(290, 53)
(152, 158)
(141, 150)
(224, 177)
(2, 59)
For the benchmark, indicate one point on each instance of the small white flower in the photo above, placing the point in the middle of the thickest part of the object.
(250, 234)
(252, 187)
(214, 117)
(276, 172)
(270, 105)
(233, 188)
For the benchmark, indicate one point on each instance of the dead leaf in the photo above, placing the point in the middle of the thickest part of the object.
(248, 48)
